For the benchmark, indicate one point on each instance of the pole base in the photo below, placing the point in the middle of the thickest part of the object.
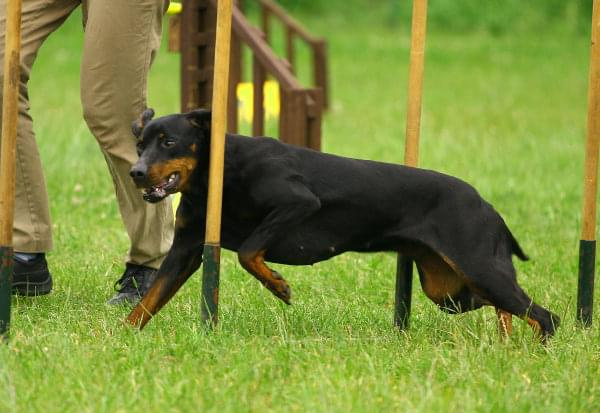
(585, 285)
(6, 274)
(210, 284)
(404, 276)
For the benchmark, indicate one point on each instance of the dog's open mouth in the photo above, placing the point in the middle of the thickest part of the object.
(163, 189)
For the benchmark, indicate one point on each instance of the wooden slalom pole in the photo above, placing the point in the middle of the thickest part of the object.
(212, 247)
(415, 82)
(10, 115)
(404, 271)
(587, 244)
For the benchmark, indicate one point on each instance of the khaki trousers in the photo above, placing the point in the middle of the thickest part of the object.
(121, 38)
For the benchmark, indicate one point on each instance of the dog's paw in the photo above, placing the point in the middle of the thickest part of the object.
(280, 288)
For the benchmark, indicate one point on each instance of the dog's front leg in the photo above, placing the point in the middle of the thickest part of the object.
(289, 207)
(183, 259)
(175, 270)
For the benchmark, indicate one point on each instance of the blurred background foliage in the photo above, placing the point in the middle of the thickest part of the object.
(494, 16)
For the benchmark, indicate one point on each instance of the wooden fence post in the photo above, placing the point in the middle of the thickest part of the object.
(197, 54)
(292, 116)
(235, 77)
(258, 109)
(290, 49)
(314, 118)
(320, 69)
(265, 22)
(174, 39)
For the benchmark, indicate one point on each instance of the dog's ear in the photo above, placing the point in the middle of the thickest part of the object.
(200, 118)
(138, 125)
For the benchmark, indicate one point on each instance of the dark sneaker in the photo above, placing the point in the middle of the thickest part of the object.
(31, 278)
(132, 286)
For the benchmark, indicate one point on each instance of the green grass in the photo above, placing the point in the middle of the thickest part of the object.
(506, 113)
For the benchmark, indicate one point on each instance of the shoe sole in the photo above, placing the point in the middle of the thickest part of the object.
(124, 299)
(31, 289)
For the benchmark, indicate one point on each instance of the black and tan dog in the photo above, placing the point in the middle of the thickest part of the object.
(291, 205)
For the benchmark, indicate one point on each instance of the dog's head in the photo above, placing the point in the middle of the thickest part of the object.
(169, 149)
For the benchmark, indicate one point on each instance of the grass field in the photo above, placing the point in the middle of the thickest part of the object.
(506, 113)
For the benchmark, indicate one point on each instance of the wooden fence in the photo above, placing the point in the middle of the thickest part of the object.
(301, 108)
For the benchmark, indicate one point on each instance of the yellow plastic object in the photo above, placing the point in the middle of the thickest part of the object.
(245, 95)
(174, 8)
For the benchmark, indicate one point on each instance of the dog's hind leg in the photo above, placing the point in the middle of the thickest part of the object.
(254, 263)
(504, 323)
(502, 290)
(442, 282)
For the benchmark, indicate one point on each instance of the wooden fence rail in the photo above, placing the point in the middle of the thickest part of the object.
(293, 29)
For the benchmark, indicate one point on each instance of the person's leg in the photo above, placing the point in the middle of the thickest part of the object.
(32, 233)
(120, 41)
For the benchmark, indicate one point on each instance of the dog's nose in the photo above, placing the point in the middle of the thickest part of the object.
(138, 173)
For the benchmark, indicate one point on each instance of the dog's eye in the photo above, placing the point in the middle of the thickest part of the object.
(139, 147)
(168, 143)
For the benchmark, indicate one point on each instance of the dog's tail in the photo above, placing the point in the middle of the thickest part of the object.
(515, 247)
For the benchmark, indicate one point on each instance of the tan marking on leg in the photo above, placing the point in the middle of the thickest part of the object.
(255, 265)
(440, 280)
(504, 323)
(148, 306)
(535, 326)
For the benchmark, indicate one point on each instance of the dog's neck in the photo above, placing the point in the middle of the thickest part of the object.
(200, 175)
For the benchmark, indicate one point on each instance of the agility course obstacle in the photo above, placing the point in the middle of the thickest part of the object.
(10, 112)
(587, 244)
(206, 82)
(212, 248)
(293, 30)
(300, 123)
(404, 271)
(301, 108)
